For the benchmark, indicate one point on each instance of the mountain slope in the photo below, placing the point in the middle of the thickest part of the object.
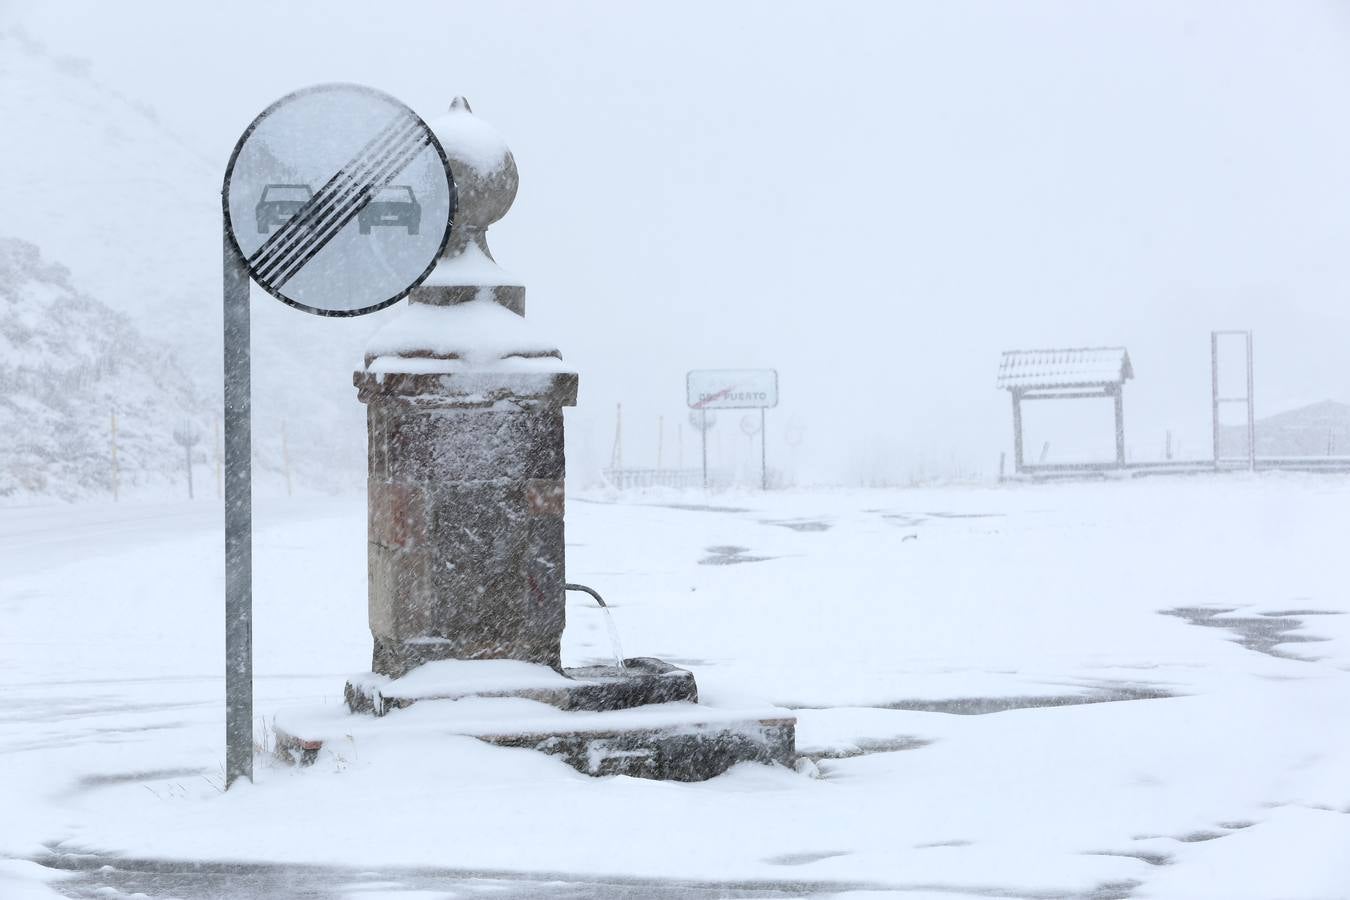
(97, 183)
(68, 364)
(1319, 429)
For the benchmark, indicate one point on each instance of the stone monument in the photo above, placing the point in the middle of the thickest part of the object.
(464, 412)
(467, 582)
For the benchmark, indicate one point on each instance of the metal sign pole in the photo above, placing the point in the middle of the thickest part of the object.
(238, 523)
(703, 429)
(1214, 390)
(763, 454)
(1251, 409)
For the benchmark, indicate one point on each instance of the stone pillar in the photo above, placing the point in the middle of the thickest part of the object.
(466, 470)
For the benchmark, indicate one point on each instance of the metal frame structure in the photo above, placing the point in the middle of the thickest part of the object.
(1216, 401)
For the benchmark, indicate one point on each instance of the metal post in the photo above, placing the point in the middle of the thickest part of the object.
(215, 452)
(1214, 388)
(187, 453)
(1017, 430)
(285, 458)
(116, 472)
(1251, 409)
(763, 455)
(238, 523)
(703, 429)
(1120, 426)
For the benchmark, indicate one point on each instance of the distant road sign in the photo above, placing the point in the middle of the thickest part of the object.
(339, 199)
(702, 420)
(732, 388)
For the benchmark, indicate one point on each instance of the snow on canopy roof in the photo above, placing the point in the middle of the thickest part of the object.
(1078, 367)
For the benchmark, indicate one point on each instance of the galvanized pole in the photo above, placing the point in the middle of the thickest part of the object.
(1214, 389)
(116, 472)
(215, 451)
(1120, 426)
(187, 456)
(703, 429)
(238, 524)
(763, 455)
(1251, 409)
(285, 458)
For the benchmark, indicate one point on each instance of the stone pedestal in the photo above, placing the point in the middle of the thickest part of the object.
(466, 516)
(464, 404)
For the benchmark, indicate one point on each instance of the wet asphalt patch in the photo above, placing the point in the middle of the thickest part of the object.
(89, 782)
(981, 706)
(728, 555)
(100, 875)
(868, 747)
(1262, 633)
(801, 859)
(913, 519)
(805, 525)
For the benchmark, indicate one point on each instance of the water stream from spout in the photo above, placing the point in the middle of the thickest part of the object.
(614, 644)
(613, 637)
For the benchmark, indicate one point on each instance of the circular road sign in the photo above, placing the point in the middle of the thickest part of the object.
(339, 199)
(702, 419)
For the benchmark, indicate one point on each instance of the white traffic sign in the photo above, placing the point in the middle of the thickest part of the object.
(732, 388)
(339, 199)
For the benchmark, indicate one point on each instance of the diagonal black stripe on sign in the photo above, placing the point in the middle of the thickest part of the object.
(297, 228)
(342, 186)
(347, 203)
(357, 203)
(340, 199)
(313, 204)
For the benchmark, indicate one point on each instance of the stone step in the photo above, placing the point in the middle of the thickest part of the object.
(642, 680)
(679, 741)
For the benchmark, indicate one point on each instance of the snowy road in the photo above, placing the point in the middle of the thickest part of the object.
(1089, 690)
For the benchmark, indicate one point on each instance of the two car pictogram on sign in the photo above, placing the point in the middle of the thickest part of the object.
(395, 205)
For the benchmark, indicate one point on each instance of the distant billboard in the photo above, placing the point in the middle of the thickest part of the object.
(732, 388)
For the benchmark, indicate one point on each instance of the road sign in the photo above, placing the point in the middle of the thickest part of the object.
(732, 388)
(710, 389)
(702, 419)
(337, 200)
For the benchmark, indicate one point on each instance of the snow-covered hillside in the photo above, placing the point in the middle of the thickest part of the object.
(97, 184)
(1317, 430)
(68, 364)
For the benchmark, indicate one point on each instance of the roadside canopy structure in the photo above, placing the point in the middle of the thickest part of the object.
(1071, 374)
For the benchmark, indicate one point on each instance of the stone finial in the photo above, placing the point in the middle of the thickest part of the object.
(486, 181)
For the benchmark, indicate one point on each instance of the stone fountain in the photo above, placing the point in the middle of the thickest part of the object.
(465, 402)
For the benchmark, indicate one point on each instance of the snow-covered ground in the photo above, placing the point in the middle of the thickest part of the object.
(1077, 690)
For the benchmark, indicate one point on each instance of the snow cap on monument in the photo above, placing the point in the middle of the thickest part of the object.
(468, 309)
(478, 154)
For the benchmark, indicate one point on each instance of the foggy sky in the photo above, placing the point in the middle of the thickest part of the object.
(873, 198)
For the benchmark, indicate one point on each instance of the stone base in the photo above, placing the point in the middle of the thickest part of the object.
(692, 752)
(641, 720)
(643, 680)
(671, 742)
